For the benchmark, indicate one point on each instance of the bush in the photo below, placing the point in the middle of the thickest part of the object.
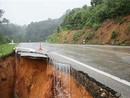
(89, 35)
(52, 38)
(3, 39)
(113, 34)
(77, 35)
(96, 26)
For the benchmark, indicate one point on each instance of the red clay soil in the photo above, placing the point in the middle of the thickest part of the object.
(67, 87)
(7, 77)
(36, 79)
(120, 25)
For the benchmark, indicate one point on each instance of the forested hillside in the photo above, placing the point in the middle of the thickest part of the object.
(13, 32)
(35, 31)
(91, 23)
(39, 31)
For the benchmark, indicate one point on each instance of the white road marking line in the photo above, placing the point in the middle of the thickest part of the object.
(94, 69)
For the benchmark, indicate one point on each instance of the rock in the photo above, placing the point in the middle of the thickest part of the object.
(104, 95)
(118, 94)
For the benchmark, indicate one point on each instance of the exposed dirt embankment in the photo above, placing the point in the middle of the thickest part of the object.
(7, 77)
(112, 32)
(31, 78)
(22, 77)
(35, 78)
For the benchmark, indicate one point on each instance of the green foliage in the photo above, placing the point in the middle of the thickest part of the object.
(113, 34)
(95, 26)
(89, 35)
(39, 31)
(72, 19)
(13, 32)
(92, 17)
(96, 2)
(118, 7)
(52, 38)
(6, 49)
(77, 35)
(3, 39)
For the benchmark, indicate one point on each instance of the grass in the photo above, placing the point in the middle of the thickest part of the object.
(77, 35)
(90, 35)
(95, 26)
(6, 49)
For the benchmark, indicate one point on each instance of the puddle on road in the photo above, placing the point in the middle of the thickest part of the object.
(23, 77)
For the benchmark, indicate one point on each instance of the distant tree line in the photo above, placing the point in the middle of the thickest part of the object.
(39, 31)
(13, 32)
(35, 31)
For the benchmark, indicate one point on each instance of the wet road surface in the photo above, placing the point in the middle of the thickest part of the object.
(110, 59)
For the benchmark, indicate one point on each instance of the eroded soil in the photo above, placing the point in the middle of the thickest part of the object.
(35, 78)
(121, 26)
(7, 77)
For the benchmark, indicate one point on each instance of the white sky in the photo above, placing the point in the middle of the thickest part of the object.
(25, 11)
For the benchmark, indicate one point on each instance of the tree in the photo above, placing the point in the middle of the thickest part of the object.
(95, 2)
(3, 39)
(3, 20)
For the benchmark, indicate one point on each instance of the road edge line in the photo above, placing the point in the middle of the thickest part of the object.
(97, 70)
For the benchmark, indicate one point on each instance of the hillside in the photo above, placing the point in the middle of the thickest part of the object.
(110, 32)
(39, 31)
(35, 31)
(97, 24)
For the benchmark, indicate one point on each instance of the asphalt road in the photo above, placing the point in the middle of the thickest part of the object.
(107, 64)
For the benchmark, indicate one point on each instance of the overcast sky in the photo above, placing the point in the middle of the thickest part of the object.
(25, 11)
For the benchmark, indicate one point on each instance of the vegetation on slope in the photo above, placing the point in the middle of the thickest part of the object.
(91, 18)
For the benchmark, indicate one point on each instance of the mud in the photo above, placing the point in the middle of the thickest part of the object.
(25, 77)
(35, 78)
(95, 88)
(7, 77)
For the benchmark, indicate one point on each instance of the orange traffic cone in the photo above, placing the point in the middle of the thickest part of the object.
(40, 47)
